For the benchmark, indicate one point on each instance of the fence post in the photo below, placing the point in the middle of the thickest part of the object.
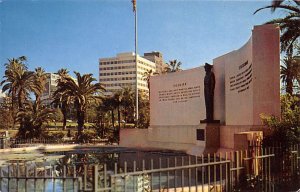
(125, 177)
(208, 161)
(237, 167)
(85, 177)
(221, 172)
(114, 179)
(1, 178)
(182, 173)
(228, 173)
(202, 173)
(215, 172)
(175, 181)
(196, 173)
(135, 181)
(95, 178)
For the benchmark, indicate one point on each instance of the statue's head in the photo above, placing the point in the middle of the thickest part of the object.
(208, 67)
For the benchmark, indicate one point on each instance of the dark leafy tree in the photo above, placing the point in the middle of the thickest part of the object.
(9, 83)
(285, 129)
(81, 93)
(144, 111)
(34, 116)
(18, 82)
(289, 24)
(40, 78)
(109, 105)
(290, 73)
(58, 100)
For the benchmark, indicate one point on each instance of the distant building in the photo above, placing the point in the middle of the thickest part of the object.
(50, 88)
(157, 58)
(5, 101)
(120, 71)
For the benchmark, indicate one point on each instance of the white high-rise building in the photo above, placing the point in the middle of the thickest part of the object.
(120, 71)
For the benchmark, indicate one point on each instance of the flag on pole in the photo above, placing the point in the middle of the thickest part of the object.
(134, 5)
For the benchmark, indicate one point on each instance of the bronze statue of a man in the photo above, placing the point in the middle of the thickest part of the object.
(209, 87)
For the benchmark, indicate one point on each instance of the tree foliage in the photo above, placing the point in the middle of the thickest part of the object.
(290, 73)
(62, 102)
(80, 93)
(173, 66)
(18, 83)
(289, 24)
(285, 129)
(34, 117)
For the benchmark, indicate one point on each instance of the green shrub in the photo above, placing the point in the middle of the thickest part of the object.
(285, 129)
(88, 135)
(58, 135)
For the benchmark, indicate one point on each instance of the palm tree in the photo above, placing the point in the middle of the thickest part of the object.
(289, 25)
(173, 66)
(146, 77)
(127, 102)
(109, 105)
(34, 117)
(118, 96)
(18, 82)
(9, 84)
(144, 110)
(40, 80)
(58, 100)
(63, 72)
(290, 72)
(81, 93)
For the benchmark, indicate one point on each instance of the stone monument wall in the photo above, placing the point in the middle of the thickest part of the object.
(177, 98)
(247, 84)
(251, 78)
(251, 83)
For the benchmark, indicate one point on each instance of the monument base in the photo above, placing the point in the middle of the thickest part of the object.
(228, 132)
(193, 139)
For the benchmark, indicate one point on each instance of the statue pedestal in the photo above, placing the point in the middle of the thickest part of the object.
(209, 135)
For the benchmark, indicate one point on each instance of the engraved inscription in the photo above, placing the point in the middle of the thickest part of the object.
(240, 82)
(180, 93)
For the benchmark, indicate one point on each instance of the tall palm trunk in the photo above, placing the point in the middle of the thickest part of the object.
(289, 86)
(119, 117)
(20, 105)
(125, 118)
(80, 122)
(119, 122)
(13, 110)
(64, 112)
(113, 119)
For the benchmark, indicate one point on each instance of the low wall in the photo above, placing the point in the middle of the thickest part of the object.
(227, 133)
(133, 138)
(162, 138)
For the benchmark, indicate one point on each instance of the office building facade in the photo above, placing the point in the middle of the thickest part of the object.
(118, 72)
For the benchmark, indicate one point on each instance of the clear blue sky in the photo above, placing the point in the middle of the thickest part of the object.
(74, 34)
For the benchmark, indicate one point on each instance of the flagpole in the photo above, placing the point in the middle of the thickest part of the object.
(136, 65)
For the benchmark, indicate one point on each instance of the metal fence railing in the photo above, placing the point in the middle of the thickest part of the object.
(257, 168)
